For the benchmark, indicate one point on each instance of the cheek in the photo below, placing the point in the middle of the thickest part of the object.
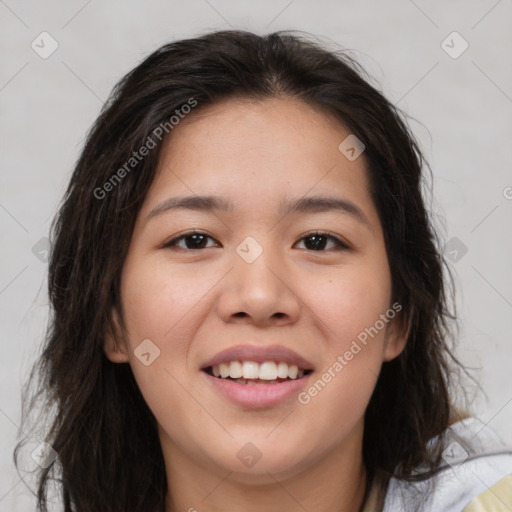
(163, 308)
(166, 307)
(160, 303)
(350, 304)
(349, 312)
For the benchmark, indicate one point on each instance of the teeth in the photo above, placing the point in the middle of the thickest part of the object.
(282, 370)
(268, 370)
(293, 370)
(250, 370)
(224, 370)
(235, 370)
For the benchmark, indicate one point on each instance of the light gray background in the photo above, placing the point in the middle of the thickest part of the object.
(462, 105)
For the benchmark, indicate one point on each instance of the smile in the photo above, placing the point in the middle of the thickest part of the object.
(256, 392)
(251, 372)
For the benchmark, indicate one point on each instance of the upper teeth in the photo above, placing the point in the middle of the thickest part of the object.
(269, 370)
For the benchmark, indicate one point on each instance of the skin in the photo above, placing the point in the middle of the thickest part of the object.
(192, 303)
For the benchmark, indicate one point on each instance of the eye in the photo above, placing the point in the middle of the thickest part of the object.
(318, 241)
(195, 238)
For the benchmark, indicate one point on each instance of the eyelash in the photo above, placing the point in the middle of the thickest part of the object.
(340, 245)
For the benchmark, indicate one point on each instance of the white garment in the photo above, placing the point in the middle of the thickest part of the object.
(476, 459)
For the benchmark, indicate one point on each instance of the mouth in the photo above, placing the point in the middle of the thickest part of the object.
(257, 376)
(252, 372)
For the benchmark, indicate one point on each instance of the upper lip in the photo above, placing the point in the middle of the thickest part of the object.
(258, 354)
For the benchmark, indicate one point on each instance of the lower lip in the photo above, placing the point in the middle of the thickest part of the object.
(257, 396)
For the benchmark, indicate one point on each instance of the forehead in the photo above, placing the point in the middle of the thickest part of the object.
(258, 153)
(259, 129)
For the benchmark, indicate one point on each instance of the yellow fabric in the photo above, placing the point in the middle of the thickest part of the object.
(497, 498)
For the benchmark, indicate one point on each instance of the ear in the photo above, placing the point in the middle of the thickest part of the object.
(396, 339)
(115, 346)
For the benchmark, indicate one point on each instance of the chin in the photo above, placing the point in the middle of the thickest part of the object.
(257, 461)
(265, 471)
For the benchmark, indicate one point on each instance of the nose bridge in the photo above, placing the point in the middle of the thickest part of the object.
(260, 284)
(254, 261)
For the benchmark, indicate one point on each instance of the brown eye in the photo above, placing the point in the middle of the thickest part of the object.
(192, 241)
(318, 241)
(196, 240)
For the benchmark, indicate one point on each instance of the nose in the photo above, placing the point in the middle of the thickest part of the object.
(260, 292)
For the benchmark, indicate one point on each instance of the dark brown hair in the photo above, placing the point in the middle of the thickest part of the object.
(109, 456)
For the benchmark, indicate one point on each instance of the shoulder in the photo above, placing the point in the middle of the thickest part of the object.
(474, 461)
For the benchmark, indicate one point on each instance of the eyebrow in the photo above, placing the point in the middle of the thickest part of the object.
(315, 204)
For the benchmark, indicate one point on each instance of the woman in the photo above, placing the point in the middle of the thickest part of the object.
(248, 295)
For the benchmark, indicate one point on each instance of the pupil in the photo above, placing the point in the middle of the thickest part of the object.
(198, 239)
(317, 244)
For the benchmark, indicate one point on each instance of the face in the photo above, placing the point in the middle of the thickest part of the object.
(310, 286)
